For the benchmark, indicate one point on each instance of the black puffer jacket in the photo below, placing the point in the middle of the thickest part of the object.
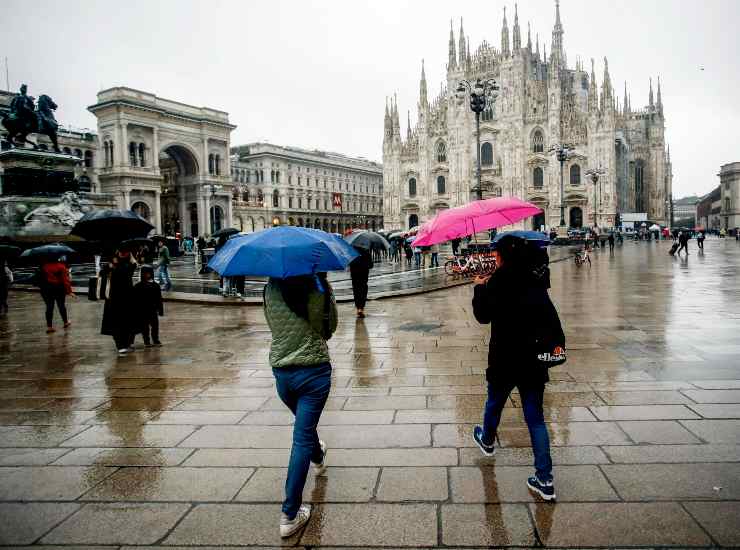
(516, 303)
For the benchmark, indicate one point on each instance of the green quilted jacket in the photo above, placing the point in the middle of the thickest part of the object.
(296, 341)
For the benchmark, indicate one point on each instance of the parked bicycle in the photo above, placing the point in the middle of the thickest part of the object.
(582, 257)
(470, 265)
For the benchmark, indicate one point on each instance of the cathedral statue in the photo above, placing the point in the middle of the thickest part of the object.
(24, 118)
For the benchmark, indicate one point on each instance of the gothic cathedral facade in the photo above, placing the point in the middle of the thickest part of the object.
(541, 102)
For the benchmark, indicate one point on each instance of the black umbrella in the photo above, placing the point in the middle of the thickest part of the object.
(368, 240)
(133, 244)
(8, 251)
(47, 252)
(111, 225)
(225, 232)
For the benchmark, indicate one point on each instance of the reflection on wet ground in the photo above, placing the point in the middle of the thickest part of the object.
(187, 444)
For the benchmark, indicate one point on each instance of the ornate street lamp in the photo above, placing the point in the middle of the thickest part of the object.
(595, 174)
(482, 94)
(562, 152)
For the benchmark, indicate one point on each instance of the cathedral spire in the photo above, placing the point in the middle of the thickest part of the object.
(651, 103)
(408, 125)
(452, 61)
(387, 124)
(607, 99)
(461, 49)
(394, 116)
(529, 37)
(659, 99)
(593, 100)
(625, 104)
(505, 37)
(423, 88)
(556, 56)
(537, 53)
(517, 38)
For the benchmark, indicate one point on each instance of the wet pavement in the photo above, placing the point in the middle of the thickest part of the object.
(187, 444)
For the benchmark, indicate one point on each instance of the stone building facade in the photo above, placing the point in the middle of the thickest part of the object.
(278, 185)
(542, 101)
(729, 177)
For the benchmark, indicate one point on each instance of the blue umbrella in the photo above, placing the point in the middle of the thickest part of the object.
(538, 236)
(282, 252)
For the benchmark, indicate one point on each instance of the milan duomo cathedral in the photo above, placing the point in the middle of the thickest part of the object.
(541, 102)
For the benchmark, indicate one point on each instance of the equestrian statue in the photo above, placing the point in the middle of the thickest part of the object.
(24, 118)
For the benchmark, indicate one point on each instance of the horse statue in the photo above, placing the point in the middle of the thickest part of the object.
(25, 118)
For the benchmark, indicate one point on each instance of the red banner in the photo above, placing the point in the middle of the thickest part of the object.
(336, 200)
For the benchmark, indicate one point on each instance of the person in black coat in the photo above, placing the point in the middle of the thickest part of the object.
(149, 306)
(514, 300)
(359, 269)
(118, 312)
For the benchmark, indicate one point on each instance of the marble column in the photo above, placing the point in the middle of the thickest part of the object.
(157, 213)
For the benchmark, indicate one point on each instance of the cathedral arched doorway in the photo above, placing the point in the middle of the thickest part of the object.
(576, 217)
(413, 221)
(178, 167)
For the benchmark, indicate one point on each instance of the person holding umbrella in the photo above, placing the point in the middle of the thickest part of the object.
(117, 289)
(301, 312)
(55, 286)
(510, 299)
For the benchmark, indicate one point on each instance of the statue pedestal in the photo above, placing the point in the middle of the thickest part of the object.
(40, 198)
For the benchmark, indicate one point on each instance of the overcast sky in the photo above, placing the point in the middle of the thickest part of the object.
(316, 74)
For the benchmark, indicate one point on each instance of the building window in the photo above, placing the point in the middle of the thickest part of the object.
(440, 185)
(217, 163)
(132, 153)
(727, 204)
(217, 218)
(260, 197)
(211, 164)
(412, 187)
(245, 195)
(89, 159)
(78, 153)
(537, 177)
(575, 175)
(275, 199)
(538, 142)
(142, 158)
(441, 152)
(487, 114)
(486, 154)
(290, 202)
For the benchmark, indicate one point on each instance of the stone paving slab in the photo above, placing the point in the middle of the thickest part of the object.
(619, 525)
(129, 523)
(337, 485)
(29, 456)
(664, 454)
(643, 412)
(657, 432)
(49, 482)
(486, 525)
(522, 456)
(24, 523)
(715, 431)
(89, 456)
(720, 519)
(412, 484)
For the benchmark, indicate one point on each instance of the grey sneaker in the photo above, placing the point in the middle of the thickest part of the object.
(290, 526)
(321, 468)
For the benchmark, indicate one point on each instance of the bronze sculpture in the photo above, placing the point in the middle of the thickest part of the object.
(25, 118)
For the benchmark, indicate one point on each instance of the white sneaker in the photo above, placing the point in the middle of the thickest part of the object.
(123, 351)
(288, 527)
(320, 468)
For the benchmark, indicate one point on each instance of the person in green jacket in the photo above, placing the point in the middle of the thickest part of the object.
(302, 315)
(164, 265)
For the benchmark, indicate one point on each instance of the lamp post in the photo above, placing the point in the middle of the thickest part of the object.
(562, 152)
(595, 174)
(482, 94)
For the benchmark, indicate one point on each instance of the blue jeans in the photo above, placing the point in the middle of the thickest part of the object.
(304, 391)
(164, 276)
(531, 397)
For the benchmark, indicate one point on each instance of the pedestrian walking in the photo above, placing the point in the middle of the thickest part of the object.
(510, 299)
(149, 306)
(455, 246)
(302, 316)
(359, 270)
(611, 242)
(417, 257)
(683, 242)
(55, 286)
(117, 289)
(700, 240)
(408, 251)
(164, 265)
(6, 279)
(435, 256)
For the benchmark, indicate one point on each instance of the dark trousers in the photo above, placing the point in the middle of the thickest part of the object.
(150, 325)
(3, 298)
(359, 288)
(51, 297)
(304, 391)
(531, 399)
(123, 339)
(700, 243)
(684, 246)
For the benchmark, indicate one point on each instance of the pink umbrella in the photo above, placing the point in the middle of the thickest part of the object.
(475, 216)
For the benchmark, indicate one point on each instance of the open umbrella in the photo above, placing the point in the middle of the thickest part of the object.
(535, 236)
(111, 225)
(134, 244)
(473, 217)
(395, 235)
(47, 252)
(284, 251)
(225, 232)
(367, 240)
(654, 227)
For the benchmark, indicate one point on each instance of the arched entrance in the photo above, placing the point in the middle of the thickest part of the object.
(317, 224)
(179, 169)
(576, 217)
(413, 221)
(538, 222)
